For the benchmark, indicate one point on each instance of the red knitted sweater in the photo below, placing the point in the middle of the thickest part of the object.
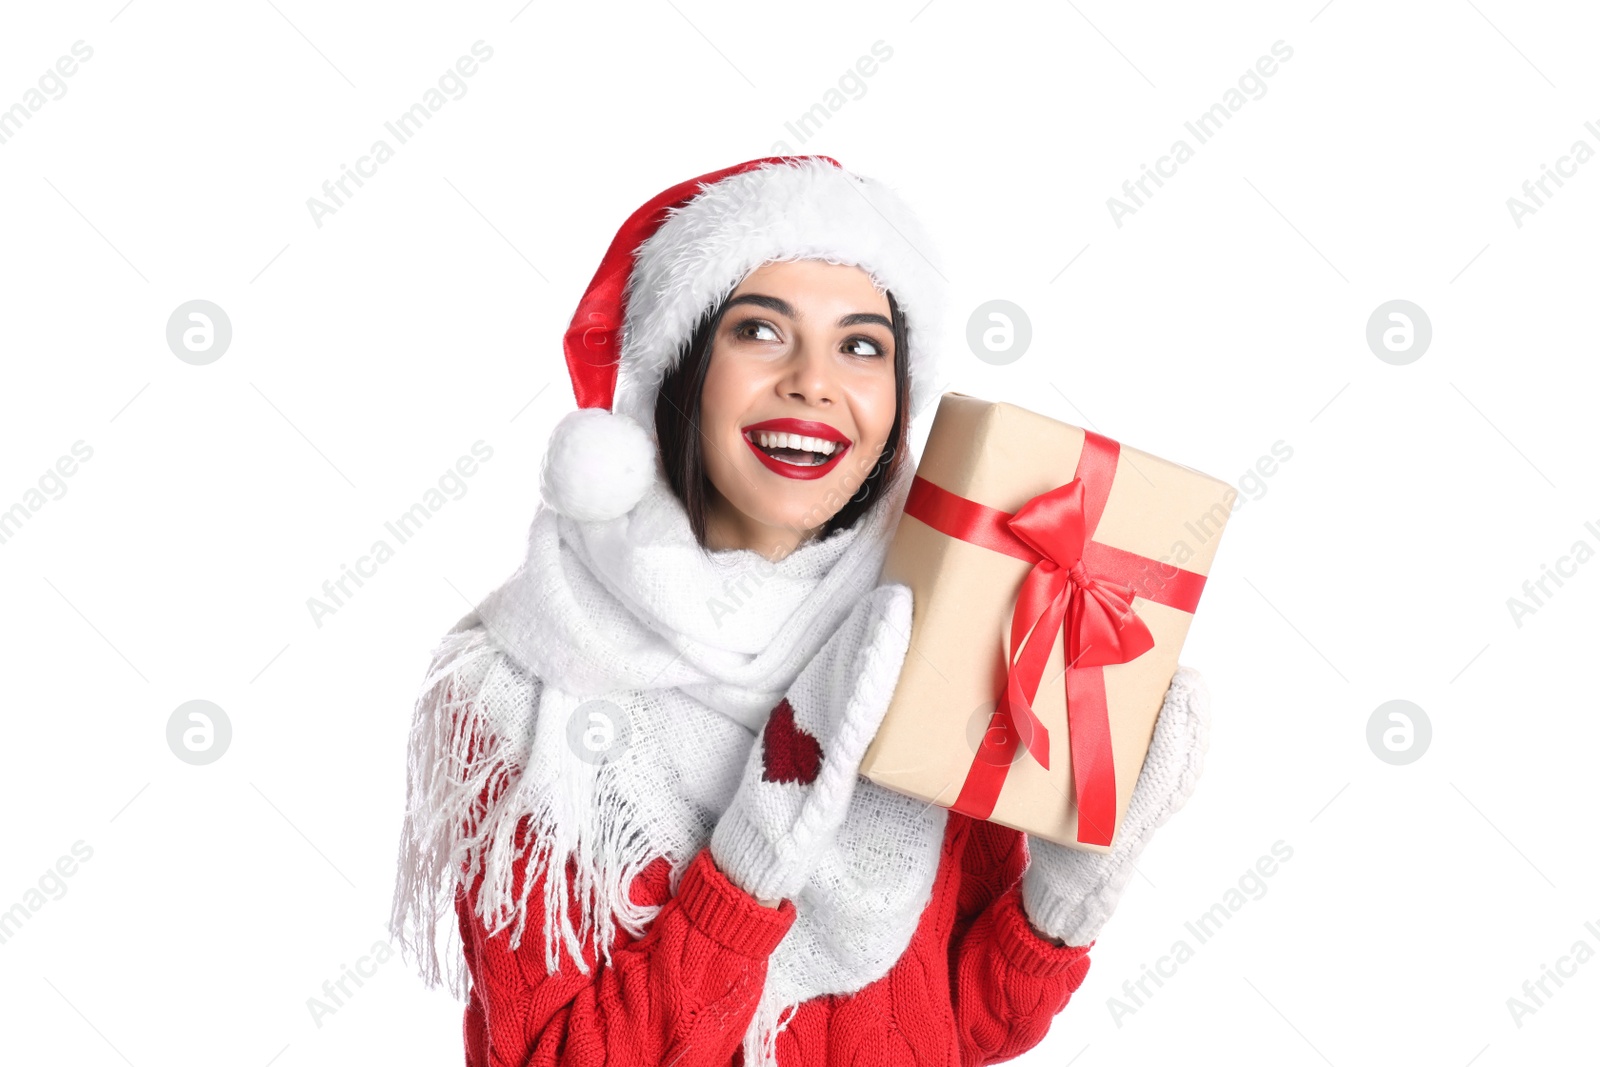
(976, 985)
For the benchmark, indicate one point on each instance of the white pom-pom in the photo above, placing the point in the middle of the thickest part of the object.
(597, 465)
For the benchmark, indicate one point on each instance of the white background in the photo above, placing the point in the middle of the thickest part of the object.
(1227, 314)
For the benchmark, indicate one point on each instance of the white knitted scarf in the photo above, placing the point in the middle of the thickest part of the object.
(694, 650)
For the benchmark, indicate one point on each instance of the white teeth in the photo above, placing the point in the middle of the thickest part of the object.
(767, 439)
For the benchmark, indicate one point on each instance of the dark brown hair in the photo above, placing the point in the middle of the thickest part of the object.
(681, 445)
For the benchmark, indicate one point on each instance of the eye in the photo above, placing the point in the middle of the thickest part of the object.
(741, 330)
(873, 348)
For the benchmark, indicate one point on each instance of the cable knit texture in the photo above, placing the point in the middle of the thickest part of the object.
(1070, 893)
(798, 781)
(975, 986)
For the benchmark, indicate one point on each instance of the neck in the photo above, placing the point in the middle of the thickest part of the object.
(729, 528)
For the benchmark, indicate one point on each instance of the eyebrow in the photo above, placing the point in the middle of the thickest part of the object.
(783, 307)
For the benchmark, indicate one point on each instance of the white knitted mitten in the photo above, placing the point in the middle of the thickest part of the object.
(802, 770)
(1069, 893)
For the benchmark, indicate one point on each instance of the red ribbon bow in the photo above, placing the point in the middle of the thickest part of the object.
(1095, 615)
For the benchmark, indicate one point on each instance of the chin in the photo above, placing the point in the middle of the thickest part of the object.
(804, 517)
(825, 510)
(802, 514)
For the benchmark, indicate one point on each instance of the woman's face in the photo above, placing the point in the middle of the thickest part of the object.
(805, 348)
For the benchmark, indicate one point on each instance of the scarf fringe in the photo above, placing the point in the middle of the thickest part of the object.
(760, 1043)
(578, 817)
(474, 806)
(446, 775)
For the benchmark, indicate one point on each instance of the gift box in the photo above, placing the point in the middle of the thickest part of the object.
(1055, 573)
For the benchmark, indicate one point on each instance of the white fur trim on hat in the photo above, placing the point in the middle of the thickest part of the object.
(808, 209)
(597, 465)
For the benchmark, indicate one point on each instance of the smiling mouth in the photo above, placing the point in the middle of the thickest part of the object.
(796, 449)
(795, 455)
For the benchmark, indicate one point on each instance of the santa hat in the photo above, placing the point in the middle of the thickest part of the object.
(681, 254)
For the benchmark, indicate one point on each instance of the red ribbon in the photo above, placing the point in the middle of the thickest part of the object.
(1080, 587)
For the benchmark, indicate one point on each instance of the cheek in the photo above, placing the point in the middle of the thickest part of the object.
(874, 405)
(725, 401)
(719, 398)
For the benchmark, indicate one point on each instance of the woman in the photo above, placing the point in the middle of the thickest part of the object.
(643, 747)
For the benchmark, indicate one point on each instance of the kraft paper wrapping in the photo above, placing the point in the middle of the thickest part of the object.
(1001, 455)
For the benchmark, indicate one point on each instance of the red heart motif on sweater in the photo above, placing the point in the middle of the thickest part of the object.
(788, 753)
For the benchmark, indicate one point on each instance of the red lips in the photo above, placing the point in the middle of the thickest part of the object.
(805, 428)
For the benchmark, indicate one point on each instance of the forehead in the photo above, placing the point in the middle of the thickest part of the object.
(805, 280)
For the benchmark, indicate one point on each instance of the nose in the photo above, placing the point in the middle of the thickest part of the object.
(811, 375)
